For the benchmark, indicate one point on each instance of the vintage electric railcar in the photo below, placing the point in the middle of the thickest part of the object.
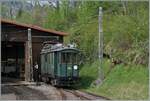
(59, 64)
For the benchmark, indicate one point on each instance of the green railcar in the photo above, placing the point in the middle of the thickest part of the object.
(59, 64)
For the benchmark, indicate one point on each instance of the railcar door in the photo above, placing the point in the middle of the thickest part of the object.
(75, 65)
(69, 64)
(51, 64)
(62, 65)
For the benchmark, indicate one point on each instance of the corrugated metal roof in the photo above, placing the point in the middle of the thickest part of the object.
(33, 27)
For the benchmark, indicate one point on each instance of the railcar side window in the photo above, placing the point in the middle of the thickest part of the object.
(63, 57)
(45, 57)
(49, 58)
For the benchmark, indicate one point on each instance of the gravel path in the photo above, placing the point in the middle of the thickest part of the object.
(21, 93)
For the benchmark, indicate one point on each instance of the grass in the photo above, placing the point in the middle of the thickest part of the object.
(123, 82)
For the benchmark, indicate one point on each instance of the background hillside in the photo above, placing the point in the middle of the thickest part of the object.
(125, 27)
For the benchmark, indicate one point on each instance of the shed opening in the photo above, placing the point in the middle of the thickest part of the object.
(13, 59)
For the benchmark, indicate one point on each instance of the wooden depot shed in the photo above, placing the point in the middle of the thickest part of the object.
(21, 45)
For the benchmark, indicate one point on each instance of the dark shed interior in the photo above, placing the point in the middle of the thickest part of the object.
(13, 59)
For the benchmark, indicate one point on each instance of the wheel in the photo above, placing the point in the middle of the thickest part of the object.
(47, 79)
(54, 82)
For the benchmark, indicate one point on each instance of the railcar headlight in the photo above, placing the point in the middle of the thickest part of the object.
(69, 68)
(75, 67)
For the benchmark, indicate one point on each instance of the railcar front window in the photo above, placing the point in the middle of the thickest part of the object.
(65, 58)
(74, 58)
(69, 58)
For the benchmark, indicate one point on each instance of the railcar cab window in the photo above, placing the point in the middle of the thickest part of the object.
(68, 58)
(74, 58)
(65, 57)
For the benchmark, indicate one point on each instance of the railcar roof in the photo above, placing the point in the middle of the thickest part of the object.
(64, 48)
(58, 49)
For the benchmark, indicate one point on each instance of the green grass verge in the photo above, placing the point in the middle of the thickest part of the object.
(123, 82)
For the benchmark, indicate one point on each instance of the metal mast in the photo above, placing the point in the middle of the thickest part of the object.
(100, 50)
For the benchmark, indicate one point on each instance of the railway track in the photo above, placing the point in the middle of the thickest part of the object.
(74, 94)
(68, 94)
(81, 97)
(62, 94)
(98, 96)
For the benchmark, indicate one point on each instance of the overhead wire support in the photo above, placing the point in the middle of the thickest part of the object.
(100, 49)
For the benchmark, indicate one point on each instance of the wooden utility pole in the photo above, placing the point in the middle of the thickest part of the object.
(101, 74)
(28, 55)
